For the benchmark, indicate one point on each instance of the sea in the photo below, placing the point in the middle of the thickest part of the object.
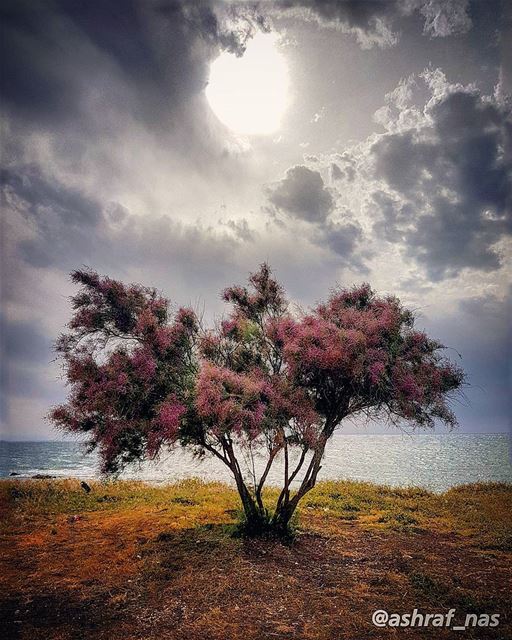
(435, 462)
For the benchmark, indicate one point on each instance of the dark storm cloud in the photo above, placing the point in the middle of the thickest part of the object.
(25, 354)
(64, 223)
(302, 194)
(23, 341)
(69, 205)
(148, 56)
(69, 227)
(85, 87)
(450, 179)
(376, 22)
(481, 332)
(395, 215)
(342, 238)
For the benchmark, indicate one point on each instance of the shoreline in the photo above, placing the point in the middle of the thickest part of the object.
(230, 485)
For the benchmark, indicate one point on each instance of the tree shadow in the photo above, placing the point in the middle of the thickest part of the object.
(49, 614)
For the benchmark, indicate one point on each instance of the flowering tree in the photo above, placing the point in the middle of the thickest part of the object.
(142, 378)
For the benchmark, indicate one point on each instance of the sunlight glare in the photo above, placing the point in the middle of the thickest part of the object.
(249, 94)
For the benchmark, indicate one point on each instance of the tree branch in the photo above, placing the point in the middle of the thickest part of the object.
(299, 464)
(263, 478)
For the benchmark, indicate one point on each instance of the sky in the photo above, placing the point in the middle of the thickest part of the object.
(180, 144)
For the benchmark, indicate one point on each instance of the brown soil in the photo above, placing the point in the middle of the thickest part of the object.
(143, 572)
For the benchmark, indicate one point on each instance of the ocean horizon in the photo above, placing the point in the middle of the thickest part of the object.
(435, 462)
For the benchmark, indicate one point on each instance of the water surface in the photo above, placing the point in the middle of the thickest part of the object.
(435, 462)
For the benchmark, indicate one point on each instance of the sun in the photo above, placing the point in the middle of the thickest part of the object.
(250, 94)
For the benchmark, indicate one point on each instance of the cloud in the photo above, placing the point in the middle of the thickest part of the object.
(342, 238)
(25, 371)
(61, 57)
(302, 194)
(89, 86)
(241, 229)
(54, 225)
(479, 329)
(113, 159)
(51, 227)
(22, 341)
(343, 167)
(68, 204)
(376, 22)
(437, 182)
(336, 172)
(447, 177)
(444, 17)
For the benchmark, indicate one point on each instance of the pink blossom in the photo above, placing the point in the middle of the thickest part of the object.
(163, 337)
(146, 322)
(229, 326)
(228, 399)
(143, 364)
(376, 371)
(186, 317)
(265, 374)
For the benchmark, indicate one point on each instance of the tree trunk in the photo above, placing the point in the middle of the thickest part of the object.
(286, 507)
(256, 520)
(255, 515)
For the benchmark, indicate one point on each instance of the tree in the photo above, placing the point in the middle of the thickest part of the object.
(264, 379)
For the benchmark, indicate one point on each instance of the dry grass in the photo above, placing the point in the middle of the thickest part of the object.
(134, 561)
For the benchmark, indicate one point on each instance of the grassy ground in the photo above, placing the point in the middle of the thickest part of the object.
(132, 561)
